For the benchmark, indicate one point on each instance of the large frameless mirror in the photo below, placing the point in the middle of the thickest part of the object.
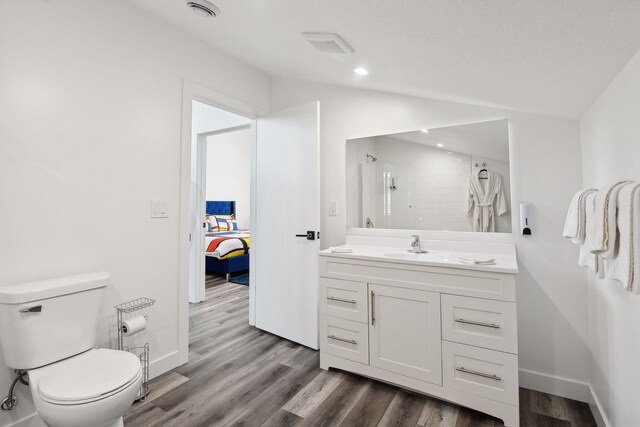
(452, 178)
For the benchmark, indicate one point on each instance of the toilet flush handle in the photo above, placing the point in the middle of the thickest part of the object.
(34, 309)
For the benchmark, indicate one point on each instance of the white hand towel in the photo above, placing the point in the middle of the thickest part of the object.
(624, 265)
(605, 217)
(337, 250)
(588, 259)
(574, 226)
(476, 261)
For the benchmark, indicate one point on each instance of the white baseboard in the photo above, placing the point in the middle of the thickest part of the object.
(32, 420)
(163, 364)
(596, 409)
(564, 387)
(568, 388)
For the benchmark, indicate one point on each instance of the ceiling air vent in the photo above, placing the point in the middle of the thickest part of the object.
(329, 43)
(203, 8)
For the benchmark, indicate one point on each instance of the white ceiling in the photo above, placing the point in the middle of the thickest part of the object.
(488, 140)
(552, 57)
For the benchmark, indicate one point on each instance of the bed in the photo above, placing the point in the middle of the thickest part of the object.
(227, 251)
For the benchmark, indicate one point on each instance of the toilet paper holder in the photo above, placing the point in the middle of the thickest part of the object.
(123, 311)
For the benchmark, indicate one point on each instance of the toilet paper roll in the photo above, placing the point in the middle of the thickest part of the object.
(133, 325)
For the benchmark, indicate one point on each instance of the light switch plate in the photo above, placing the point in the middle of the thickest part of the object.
(333, 208)
(159, 209)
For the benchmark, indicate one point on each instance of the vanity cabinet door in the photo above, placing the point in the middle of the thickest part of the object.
(404, 332)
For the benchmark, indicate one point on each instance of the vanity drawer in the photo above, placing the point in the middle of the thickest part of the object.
(481, 322)
(344, 299)
(486, 373)
(345, 338)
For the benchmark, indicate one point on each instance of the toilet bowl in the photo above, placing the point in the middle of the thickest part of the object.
(94, 388)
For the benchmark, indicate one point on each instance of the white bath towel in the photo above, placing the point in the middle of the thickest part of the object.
(624, 264)
(574, 226)
(605, 219)
(587, 258)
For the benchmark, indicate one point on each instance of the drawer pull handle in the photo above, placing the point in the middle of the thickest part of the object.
(348, 301)
(472, 322)
(333, 337)
(480, 374)
(373, 309)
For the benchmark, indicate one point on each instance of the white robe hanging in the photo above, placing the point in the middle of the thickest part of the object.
(481, 199)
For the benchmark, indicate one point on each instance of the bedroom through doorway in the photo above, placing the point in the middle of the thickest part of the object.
(221, 160)
(227, 191)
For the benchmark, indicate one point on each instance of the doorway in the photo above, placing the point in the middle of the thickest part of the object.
(284, 189)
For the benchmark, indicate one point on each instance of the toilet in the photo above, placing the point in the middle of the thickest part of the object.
(48, 328)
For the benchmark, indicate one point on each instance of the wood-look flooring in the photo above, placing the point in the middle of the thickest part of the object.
(238, 375)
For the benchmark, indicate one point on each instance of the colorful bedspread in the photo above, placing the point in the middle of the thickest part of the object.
(227, 244)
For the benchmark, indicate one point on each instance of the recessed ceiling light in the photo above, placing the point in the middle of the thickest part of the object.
(440, 145)
(424, 130)
(203, 8)
(361, 71)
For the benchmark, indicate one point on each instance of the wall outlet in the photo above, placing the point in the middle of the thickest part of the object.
(333, 208)
(159, 209)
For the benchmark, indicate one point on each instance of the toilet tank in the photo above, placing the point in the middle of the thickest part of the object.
(49, 320)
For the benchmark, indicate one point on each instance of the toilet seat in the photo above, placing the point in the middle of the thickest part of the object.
(88, 377)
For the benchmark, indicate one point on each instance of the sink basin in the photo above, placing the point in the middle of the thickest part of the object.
(418, 257)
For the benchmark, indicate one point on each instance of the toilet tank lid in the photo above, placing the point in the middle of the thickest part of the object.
(42, 289)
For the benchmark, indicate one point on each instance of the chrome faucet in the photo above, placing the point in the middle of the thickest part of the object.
(416, 245)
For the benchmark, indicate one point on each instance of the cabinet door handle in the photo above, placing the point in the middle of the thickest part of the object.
(373, 309)
(348, 301)
(473, 322)
(333, 337)
(480, 374)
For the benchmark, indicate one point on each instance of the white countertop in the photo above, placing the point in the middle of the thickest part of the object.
(440, 255)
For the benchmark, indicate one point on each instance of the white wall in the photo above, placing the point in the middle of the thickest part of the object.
(610, 132)
(90, 129)
(546, 169)
(229, 171)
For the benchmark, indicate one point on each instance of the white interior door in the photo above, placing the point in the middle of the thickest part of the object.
(287, 206)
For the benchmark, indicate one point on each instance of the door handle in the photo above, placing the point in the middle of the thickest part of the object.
(311, 235)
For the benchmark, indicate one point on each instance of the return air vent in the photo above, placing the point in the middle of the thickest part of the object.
(329, 43)
(203, 8)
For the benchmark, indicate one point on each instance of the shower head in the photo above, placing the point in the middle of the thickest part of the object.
(373, 159)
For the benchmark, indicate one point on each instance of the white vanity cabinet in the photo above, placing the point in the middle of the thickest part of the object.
(444, 331)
